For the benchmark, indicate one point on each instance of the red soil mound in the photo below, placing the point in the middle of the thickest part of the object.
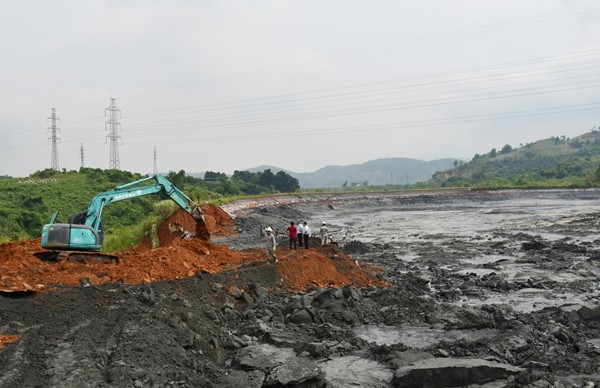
(320, 266)
(20, 270)
(7, 339)
(323, 267)
(218, 221)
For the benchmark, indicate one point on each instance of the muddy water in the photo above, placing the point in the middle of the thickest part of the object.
(528, 215)
(479, 238)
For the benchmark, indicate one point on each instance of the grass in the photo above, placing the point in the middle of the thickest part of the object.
(127, 237)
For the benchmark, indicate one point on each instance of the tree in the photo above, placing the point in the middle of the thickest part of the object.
(242, 176)
(266, 178)
(506, 149)
(284, 182)
(212, 176)
(177, 179)
(493, 153)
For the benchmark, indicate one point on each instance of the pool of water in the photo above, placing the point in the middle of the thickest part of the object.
(418, 337)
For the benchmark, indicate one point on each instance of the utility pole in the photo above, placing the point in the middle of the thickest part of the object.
(82, 162)
(53, 128)
(155, 169)
(113, 126)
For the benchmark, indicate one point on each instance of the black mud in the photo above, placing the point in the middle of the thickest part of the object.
(438, 324)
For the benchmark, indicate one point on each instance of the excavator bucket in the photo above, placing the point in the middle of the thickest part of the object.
(202, 231)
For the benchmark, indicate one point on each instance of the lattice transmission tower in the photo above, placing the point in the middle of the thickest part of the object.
(155, 168)
(82, 160)
(54, 158)
(113, 126)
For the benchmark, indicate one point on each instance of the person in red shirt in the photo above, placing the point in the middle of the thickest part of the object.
(292, 234)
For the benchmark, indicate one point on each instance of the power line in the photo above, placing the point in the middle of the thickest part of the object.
(310, 97)
(220, 122)
(549, 17)
(510, 24)
(398, 125)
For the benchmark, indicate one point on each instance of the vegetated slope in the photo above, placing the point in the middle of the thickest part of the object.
(26, 204)
(557, 161)
(374, 172)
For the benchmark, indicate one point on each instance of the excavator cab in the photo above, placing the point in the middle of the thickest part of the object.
(73, 241)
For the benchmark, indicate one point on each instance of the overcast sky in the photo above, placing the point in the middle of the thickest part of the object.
(229, 85)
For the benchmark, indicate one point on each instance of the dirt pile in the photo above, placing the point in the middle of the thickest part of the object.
(7, 339)
(324, 267)
(177, 258)
(217, 222)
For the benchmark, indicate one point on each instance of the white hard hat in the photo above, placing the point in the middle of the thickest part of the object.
(324, 223)
(268, 229)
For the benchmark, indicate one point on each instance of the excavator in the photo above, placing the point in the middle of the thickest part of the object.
(80, 239)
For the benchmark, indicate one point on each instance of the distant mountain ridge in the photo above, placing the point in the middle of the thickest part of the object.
(374, 172)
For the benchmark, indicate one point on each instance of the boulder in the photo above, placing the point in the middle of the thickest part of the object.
(235, 292)
(262, 357)
(327, 294)
(301, 316)
(296, 371)
(352, 293)
(589, 313)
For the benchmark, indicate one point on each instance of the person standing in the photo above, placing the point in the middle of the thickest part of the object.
(292, 232)
(324, 234)
(270, 245)
(300, 231)
(306, 234)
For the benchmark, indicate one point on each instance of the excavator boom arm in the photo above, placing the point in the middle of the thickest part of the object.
(134, 190)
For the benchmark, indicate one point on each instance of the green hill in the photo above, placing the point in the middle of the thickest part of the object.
(557, 161)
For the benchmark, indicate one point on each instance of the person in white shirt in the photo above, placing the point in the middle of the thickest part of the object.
(306, 231)
(324, 234)
(270, 246)
(300, 228)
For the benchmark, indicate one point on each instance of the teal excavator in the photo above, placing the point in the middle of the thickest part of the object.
(80, 239)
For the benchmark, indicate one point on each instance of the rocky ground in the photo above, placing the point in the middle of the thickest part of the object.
(432, 316)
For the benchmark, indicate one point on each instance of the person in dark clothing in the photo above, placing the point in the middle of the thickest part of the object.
(292, 232)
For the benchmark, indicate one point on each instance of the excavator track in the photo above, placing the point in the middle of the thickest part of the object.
(77, 257)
